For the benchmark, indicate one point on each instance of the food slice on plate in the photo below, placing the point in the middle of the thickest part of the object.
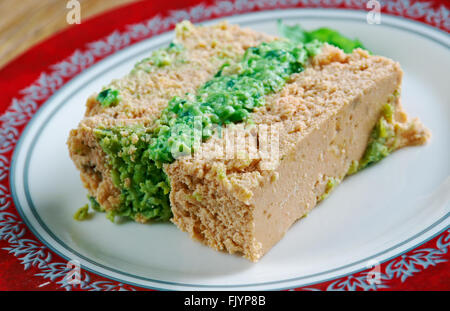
(233, 135)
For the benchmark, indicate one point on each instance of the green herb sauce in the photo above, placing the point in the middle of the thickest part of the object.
(161, 58)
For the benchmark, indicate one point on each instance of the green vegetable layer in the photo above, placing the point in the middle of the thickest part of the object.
(161, 58)
(144, 186)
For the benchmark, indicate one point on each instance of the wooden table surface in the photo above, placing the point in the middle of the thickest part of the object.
(24, 23)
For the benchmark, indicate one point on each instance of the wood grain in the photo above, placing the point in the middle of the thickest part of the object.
(24, 23)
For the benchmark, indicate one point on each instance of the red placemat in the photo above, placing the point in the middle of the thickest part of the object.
(28, 81)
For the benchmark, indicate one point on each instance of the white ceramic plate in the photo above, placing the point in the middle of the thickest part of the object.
(374, 216)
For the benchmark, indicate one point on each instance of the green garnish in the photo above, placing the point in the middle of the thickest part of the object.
(137, 154)
(297, 34)
(82, 213)
(378, 147)
(108, 97)
(229, 97)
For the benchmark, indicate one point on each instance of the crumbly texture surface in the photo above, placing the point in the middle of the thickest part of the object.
(145, 93)
(324, 117)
